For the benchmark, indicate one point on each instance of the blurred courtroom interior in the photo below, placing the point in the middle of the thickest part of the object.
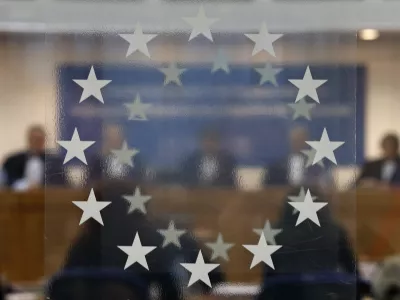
(221, 157)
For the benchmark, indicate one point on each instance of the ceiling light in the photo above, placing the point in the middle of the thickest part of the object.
(368, 34)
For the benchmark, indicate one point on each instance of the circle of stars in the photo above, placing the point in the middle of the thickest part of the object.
(303, 204)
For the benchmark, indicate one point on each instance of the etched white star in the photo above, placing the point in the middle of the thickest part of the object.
(324, 148)
(308, 209)
(136, 253)
(269, 232)
(307, 86)
(75, 147)
(199, 270)
(91, 86)
(301, 109)
(137, 109)
(299, 198)
(138, 41)
(91, 208)
(201, 24)
(220, 63)
(310, 153)
(268, 74)
(263, 40)
(219, 248)
(125, 155)
(262, 252)
(171, 235)
(172, 74)
(137, 201)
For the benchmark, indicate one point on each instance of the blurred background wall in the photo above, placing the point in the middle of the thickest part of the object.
(27, 79)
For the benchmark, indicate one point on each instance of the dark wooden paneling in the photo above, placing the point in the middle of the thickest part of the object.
(37, 228)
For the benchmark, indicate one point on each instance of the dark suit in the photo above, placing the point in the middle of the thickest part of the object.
(191, 174)
(308, 249)
(14, 166)
(278, 174)
(373, 170)
(98, 165)
(5, 289)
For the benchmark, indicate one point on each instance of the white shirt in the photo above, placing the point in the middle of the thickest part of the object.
(296, 169)
(114, 168)
(388, 170)
(34, 171)
(208, 168)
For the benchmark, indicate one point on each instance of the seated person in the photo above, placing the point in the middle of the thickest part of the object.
(385, 170)
(26, 169)
(96, 247)
(209, 166)
(106, 165)
(306, 249)
(293, 170)
(386, 282)
(5, 288)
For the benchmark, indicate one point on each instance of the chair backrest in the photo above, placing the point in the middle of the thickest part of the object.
(54, 170)
(96, 284)
(3, 177)
(319, 286)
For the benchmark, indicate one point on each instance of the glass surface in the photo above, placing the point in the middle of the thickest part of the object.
(215, 148)
(236, 137)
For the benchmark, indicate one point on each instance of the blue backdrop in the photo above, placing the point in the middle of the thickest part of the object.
(254, 119)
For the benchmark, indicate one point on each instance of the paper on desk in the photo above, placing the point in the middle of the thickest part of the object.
(368, 269)
(22, 296)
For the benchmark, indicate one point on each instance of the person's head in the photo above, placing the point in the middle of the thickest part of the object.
(112, 190)
(298, 137)
(390, 146)
(36, 137)
(307, 247)
(113, 137)
(210, 142)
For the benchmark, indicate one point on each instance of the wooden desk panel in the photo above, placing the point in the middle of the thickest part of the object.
(10, 233)
(370, 217)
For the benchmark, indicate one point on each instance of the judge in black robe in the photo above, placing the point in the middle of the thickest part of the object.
(34, 167)
(29, 163)
(210, 166)
(385, 170)
(106, 165)
(296, 168)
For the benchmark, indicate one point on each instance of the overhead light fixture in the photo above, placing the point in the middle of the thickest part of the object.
(368, 34)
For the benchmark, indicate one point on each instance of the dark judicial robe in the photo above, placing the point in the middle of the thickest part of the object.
(98, 169)
(190, 174)
(15, 165)
(5, 289)
(375, 169)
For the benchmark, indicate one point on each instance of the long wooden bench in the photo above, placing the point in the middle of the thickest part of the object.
(37, 228)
